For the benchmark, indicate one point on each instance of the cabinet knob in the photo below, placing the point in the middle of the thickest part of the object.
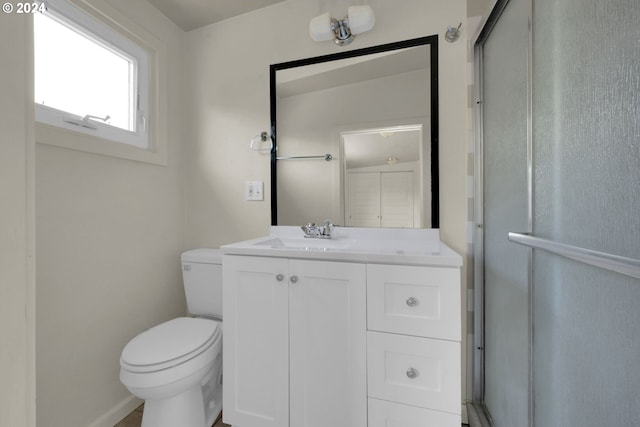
(280, 277)
(412, 373)
(412, 302)
(294, 279)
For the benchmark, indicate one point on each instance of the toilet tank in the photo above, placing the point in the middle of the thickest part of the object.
(202, 278)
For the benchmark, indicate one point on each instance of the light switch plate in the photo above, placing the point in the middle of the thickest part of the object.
(255, 190)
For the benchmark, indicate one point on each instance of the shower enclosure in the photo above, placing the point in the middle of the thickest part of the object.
(557, 292)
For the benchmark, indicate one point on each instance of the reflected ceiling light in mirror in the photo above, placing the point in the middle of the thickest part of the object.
(359, 19)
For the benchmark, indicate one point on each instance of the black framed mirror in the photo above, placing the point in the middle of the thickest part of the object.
(355, 137)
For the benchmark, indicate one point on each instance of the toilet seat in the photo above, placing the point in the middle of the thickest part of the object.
(169, 344)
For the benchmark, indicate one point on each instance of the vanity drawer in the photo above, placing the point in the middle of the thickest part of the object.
(389, 414)
(415, 371)
(421, 301)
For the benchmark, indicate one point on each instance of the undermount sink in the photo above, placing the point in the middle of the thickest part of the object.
(309, 244)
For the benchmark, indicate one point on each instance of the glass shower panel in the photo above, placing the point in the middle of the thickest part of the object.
(586, 117)
(505, 209)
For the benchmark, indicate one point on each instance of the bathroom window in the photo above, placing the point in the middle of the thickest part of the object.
(90, 78)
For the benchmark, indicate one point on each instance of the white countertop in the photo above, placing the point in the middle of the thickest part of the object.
(367, 245)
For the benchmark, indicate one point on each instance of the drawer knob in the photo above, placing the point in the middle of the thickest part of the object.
(412, 373)
(280, 277)
(412, 302)
(294, 279)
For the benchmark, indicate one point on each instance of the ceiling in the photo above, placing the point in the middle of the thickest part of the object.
(192, 14)
(375, 147)
(310, 78)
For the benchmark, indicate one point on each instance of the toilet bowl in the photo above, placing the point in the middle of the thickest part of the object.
(176, 366)
(171, 366)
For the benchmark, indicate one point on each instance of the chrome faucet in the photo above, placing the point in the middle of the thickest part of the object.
(314, 231)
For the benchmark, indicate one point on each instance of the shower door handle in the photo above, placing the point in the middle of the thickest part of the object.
(619, 264)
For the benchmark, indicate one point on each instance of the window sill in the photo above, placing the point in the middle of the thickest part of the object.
(59, 137)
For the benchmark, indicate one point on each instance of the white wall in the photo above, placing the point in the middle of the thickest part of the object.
(109, 236)
(17, 296)
(227, 103)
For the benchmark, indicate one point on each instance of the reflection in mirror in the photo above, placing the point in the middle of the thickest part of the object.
(384, 183)
(356, 137)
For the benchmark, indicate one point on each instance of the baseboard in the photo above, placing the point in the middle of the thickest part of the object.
(117, 413)
(128, 405)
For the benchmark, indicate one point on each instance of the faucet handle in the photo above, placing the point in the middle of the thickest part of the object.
(309, 229)
(328, 228)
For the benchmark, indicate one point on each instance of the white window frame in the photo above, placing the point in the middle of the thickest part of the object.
(108, 27)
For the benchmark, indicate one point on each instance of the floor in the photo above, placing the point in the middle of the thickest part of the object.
(134, 419)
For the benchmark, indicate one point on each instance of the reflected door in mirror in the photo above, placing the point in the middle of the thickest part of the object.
(380, 199)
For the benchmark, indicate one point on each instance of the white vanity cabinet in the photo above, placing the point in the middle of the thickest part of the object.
(413, 346)
(294, 342)
(360, 330)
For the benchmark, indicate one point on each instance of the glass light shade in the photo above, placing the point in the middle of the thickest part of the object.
(361, 19)
(320, 28)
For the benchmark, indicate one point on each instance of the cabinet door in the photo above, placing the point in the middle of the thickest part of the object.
(414, 371)
(328, 344)
(421, 301)
(396, 199)
(255, 347)
(363, 199)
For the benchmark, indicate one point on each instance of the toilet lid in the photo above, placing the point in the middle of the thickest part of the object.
(169, 344)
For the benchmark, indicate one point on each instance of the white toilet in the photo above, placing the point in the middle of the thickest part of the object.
(176, 367)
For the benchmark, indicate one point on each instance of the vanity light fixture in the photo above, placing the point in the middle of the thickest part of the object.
(358, 20)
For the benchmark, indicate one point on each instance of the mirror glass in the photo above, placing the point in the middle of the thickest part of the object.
(355, 137)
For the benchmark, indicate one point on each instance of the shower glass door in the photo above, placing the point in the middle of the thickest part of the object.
(560, 117)
(586, 142)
